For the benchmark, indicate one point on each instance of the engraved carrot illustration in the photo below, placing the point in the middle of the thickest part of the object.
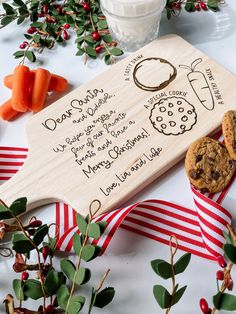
(199, 84)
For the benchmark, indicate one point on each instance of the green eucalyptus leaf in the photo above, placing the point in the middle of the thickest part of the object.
(68, 268)
(94, 231)
(102, 225)
(21, 244)
(18, 206)
(80, 52)
(8, 8)
(63, 296)
(162, 268)
(230, 252)
(162, 296)
(82, 276)
(182, 263)
(76, 304)
(53, 244)
(224, 301)
(40, 234)
(52, 282)
(90, 252)
(102, 24)
(18, 289)
(107, 38)
(4, 212)
(82, 224)
(77, 243)
(33, 289)
(104, 297)
(89, 39)
(116, 52)
(91, 51)
(178, 295)
(30, 56)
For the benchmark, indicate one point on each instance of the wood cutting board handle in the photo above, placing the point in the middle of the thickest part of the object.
(25, 183)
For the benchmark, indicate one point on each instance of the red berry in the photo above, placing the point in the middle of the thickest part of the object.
(22, 46)
(45, 252)
(98, 49)
(197, 7)
(178, 5)
(86, 7)
(24, 276)
(67, 26)
(35, 223)
(203, 6)
(40, 15)
(204, 306)
(25, 43)
(60, 10)
(45, 9)
(65, 35)
(221, 261)
(220, 275)
(31, 232)
(31, 30)
(96, 36)
(50, 309)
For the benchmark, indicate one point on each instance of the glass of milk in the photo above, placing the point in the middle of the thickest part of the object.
(133, 23)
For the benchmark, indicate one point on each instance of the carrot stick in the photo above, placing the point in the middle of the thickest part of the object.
(40, 89)
(6, 111)
(20, 88)
(57, 82)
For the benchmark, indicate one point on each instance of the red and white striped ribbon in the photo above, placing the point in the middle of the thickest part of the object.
(198, 231)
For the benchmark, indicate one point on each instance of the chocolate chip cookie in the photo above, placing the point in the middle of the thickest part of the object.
(229, 131)
(208, 165)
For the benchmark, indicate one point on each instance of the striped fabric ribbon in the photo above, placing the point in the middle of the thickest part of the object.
(199, 231)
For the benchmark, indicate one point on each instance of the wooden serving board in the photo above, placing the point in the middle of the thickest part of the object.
(111, 137)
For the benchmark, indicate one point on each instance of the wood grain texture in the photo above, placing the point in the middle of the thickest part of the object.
(113, 136)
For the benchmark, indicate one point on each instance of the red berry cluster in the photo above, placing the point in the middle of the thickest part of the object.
(220, 276)
(24, 45)
(201, 6)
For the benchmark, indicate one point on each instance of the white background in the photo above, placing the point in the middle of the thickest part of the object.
(129, 255)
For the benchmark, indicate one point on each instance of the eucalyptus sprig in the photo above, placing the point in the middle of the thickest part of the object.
(165, 270)
(45, 282)
(53, 22)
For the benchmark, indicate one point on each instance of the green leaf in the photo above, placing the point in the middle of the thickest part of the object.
(162, 296)
(40, 234)
(213, 5)
(20, 20)
(4, 212)
(21, 244)
(36, 24)
(18, 206)
(30, 56)
(89, 39)
(18, 54)
(80, 52)
(189, 6)
(116, 52)
(6, 20)
(104, 297)
(52, 282)
(36, 38)
(68, 268)
(230, 252)
(102, 24)
(178, 295)
(63, 296)
(76, 304)
(224, 301)
(182, 263)
(52, 244)
(90, 252)
(94, 231)
(19, 2)
(162, 268)
(82, 276)
(27, 36)
(107, 59)
(9, 9)
(81, 223)
(107, 38)
(77, 243)
(32, 289)
(102, 225)
(18, 289)
(91, 52)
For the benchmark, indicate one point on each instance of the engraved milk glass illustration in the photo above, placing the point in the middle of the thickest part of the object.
(133, 23)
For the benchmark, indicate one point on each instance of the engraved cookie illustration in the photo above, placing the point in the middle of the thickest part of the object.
(154, 74)
(173, 116)
(199, 84)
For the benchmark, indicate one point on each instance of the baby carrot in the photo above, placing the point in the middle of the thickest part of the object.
(20, 88)
(40, 89)
(6, 111)
(57, 82)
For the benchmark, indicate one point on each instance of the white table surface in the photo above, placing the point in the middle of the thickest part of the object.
(129, 255)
